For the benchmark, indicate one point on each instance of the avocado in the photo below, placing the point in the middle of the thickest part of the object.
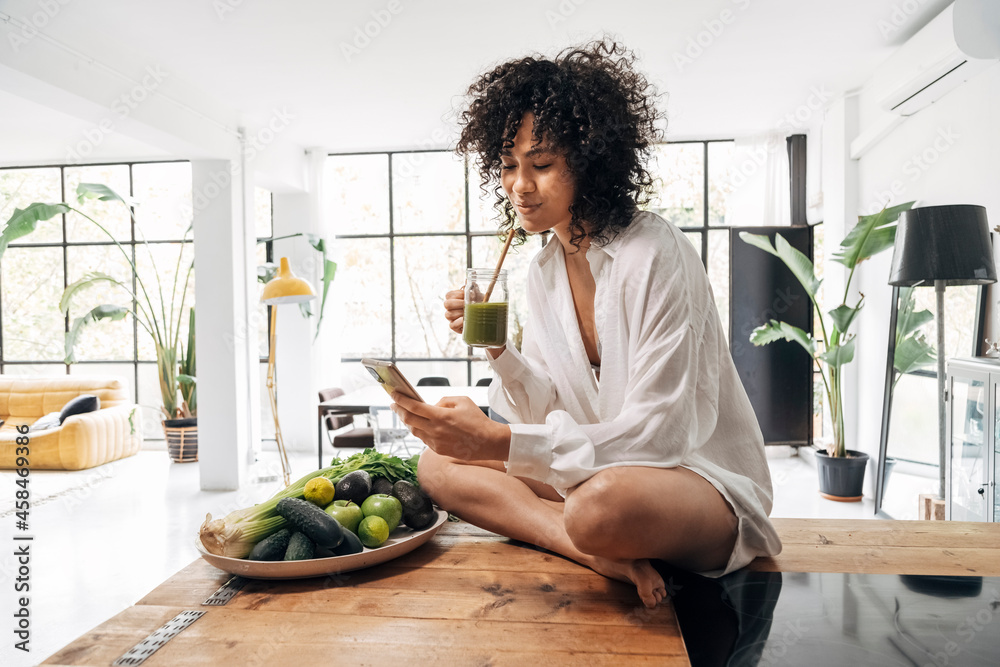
(355, 487)
(420, 520)
(418, 510)
(411, 497)
(382, 485)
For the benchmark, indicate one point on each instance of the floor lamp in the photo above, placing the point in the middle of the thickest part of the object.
(283, 288)
(942, 245)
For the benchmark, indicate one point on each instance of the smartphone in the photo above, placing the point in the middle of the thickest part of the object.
(387, 374)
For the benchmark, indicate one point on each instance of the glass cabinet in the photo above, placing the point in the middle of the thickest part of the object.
(973, 457)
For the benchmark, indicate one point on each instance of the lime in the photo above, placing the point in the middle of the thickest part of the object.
(319, 491)
(373, 531)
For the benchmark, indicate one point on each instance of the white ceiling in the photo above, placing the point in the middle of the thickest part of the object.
(403, 86)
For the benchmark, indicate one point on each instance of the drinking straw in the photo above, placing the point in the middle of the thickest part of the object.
(496, 272)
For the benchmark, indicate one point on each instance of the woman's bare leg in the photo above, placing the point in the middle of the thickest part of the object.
(613, 523)
(673, 514)
(483, 494)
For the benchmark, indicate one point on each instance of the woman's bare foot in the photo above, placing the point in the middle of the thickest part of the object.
(640, 572)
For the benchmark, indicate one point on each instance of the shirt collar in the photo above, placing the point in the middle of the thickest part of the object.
(610, 249)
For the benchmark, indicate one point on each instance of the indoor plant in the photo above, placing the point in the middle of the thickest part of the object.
(175, 362)
(841, 470)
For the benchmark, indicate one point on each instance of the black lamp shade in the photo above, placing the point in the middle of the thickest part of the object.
(949, 243)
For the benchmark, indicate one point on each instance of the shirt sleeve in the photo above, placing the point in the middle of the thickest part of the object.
(526, 393)
(670, 403)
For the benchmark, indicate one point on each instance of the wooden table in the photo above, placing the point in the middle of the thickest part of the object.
(472, 597)
(360, 401)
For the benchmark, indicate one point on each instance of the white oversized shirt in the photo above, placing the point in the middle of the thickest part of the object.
(669, 394)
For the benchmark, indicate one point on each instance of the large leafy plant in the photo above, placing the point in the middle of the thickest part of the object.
(835, 345)
(175, 358)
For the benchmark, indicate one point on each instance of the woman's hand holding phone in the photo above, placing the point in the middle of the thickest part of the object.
(455, 427)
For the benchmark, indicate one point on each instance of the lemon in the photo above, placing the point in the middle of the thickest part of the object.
(319, 491)
(373, 531)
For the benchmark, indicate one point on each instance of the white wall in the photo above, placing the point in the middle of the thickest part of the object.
(945, 154)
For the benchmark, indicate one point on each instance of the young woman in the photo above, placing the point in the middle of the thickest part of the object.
(631, 437)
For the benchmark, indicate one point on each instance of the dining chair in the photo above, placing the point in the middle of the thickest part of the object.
(391, 435)
(359, 437)
(433, 381)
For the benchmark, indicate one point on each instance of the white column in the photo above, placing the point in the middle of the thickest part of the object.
(294, 363)
(326, 350)
(840, 215)
(227, 382)
(305, 363)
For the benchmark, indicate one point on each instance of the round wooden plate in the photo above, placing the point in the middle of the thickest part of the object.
(402, 541)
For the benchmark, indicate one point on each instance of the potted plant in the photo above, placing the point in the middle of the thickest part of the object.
(841, 470)
(912, 350)
(175, 362)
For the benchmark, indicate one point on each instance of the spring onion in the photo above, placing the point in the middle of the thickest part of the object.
(236, 534)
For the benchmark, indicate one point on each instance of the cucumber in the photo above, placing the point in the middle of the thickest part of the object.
(350, 545)
(307, 518)
(273, 547)
(300, 547)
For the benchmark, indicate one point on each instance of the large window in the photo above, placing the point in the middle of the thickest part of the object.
(37, 268)
(409, 223)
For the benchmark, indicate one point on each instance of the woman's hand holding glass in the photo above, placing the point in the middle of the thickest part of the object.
(454, 312)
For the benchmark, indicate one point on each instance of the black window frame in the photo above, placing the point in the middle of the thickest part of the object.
(469, 235)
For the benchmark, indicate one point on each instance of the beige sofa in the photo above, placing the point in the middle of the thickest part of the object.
(82, 441)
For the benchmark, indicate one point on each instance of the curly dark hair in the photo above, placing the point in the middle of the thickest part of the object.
(591, 105)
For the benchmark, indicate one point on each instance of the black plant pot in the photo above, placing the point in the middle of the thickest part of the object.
(842, 478)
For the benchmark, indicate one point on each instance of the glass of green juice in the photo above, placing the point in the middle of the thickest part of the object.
(485, 322)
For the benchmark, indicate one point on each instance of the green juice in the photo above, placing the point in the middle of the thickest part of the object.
(485, 324)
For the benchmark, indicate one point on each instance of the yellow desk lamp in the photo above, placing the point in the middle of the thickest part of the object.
(283, 288)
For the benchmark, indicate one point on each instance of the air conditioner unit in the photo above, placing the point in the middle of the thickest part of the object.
(930, 64)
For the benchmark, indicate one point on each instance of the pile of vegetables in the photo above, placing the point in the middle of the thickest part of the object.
(236, 534)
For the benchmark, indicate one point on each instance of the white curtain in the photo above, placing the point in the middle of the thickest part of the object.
(758, 187)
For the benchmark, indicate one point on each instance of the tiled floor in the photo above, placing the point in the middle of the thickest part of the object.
(107, 536)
